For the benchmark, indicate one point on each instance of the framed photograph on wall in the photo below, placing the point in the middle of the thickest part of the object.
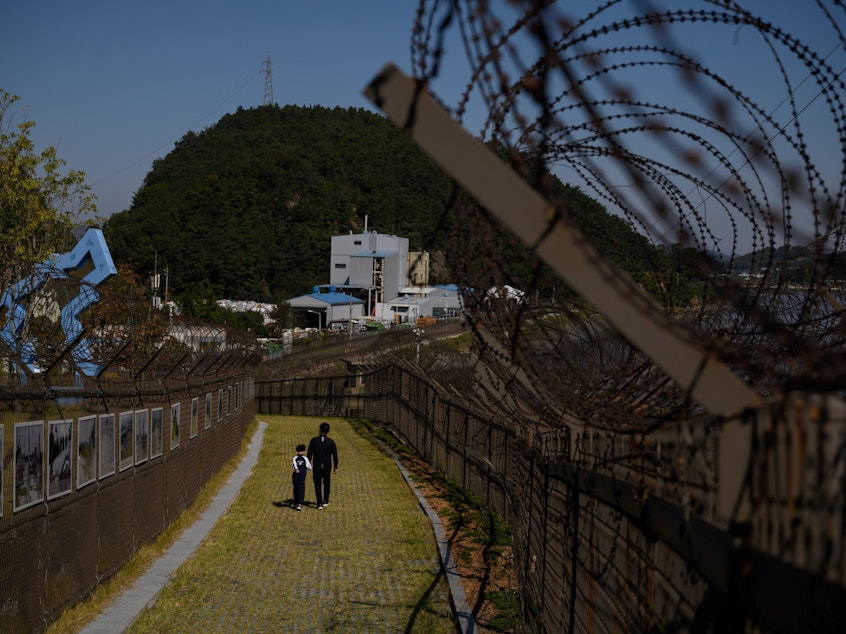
(142, 436)
(60, 452)
(220, 405)
(107, 445)
(126, 438)
(156, 432)
(207, 419)
(86, 451)
(29, 464)
(195, 414)
(174, 425)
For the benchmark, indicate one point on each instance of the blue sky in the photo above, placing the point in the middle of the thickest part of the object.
(113, 85)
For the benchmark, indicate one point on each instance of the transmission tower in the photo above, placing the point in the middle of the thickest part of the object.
(268, 83)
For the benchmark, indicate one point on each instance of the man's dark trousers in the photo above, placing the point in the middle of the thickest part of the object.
(322, 482)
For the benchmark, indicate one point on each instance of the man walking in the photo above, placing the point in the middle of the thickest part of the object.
(323, 455)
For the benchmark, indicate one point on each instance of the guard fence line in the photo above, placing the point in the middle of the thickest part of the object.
(91, 474)
(723, 525)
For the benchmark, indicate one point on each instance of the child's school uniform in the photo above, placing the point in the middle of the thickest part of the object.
(300, 463)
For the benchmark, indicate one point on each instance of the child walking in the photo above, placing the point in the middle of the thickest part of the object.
(301, 464)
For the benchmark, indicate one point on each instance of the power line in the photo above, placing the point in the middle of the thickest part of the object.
(170, 139)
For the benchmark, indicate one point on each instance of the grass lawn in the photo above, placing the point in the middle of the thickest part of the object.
(366, 563)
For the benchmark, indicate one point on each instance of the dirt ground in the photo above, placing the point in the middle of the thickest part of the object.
(484, 559)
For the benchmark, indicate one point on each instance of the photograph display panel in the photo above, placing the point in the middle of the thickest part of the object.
(107, 445)
(156, 422)
(29, 464)
(174, 425)
(59, 457)
(195, 413)
(86, 451)
(142, 436)
(127, 439)
(207, 419)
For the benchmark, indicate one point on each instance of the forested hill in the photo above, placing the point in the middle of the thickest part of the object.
(250, 203)
(246, 208)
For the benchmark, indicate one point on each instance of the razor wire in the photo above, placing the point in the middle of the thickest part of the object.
(121, 338)
(714, 174)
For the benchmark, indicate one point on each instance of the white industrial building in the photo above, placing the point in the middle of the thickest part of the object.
(369, 263)
(373, 276)
(420, 301)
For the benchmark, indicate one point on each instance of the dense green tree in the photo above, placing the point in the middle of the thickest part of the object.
(246, 208)
(199, 301)
(38, 203)
(38, 199)
(250, 203)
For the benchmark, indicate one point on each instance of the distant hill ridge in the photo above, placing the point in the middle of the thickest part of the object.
(247, 207)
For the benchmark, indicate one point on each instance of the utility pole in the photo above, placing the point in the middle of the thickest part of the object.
(154, 282)
(166, 271)
(268, 83)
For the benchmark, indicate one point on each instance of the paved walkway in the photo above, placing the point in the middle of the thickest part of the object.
(122, 613)
(361, 564)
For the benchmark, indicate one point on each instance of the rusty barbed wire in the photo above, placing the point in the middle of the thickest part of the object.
(736, 182)
(120, 338)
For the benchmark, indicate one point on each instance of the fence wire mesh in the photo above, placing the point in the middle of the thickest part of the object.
(643, 498)
(736, 180)
(624, 532)
(635, 510)
(105, 437)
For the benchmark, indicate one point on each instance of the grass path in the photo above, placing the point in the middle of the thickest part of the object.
(366, 563)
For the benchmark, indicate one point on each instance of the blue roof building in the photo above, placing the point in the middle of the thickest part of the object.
(329, 309)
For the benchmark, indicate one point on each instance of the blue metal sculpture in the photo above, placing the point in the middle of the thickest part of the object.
(89, 263)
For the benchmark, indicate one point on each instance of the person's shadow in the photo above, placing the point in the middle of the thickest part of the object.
(289, 503)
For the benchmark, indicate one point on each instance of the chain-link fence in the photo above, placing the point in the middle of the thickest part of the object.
(659, 411)
(625, 532)
(95, 467)
(683, 352)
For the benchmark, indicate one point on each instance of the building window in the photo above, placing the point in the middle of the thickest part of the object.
(357, 243)
(340, 266)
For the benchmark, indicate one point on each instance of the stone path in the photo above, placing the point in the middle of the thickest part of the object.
(368, 562)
